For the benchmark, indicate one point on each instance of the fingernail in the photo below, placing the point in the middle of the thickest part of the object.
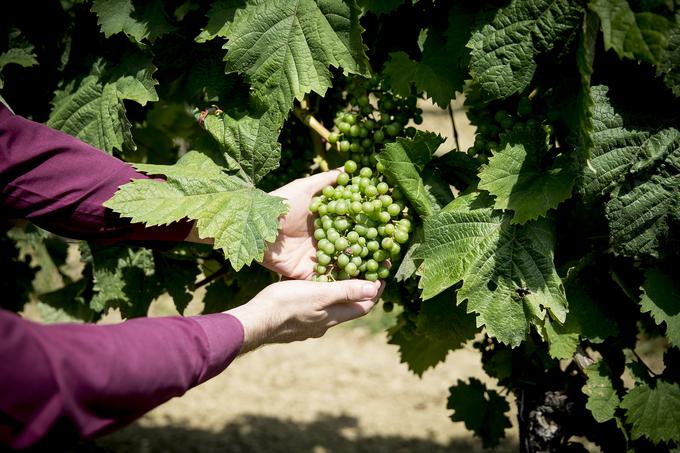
(368, 291)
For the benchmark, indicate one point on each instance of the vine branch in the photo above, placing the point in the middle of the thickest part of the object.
(224, 270)
(303, 113)
(453, 126)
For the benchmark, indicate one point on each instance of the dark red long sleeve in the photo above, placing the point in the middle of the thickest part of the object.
(64, 382)
(76, 381)
(60, 183)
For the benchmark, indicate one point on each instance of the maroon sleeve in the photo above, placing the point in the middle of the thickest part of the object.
(64, 382)
(60, 183)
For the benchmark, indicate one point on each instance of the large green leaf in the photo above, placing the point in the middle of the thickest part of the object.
(519, 179)
(482, 410)
(618, 147)
(602, 397)
(249, 144)
(285, 47)
(441, 326)
(220, 15)
(642, 35)
(641, 214)
(404, 160)
(145, 20)
(94, 111)
(19, 51)
(503, 52)
(661, 298)
(507, 270)
(241, 218)
(654, 412)
(669, 66)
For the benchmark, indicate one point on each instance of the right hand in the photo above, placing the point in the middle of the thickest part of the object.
(295, 310)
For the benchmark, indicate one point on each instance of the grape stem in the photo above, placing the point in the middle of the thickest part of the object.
(224, 270)
(303, 114)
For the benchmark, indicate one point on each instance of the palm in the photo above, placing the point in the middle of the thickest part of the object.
(293, 253)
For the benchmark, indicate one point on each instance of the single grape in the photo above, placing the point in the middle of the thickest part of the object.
(344, 146)
(351, 269)
(366, 172)
(356, 249)
(341, 207)
(319, 234)
(333, 137)
(384, 217)
(328, 191)
(342, 260)
(380, 255)
(344, 127)
(350, 166)
(372, 233)
(390, 229)
(371, 265)
(401, 236)
(371, 276)
(385, 200)
(343, 179)
(371, 191)
(320, 269)
(387, 243)
(383, 272)
(341, 244)
(353, 237)
(367, 207)
(394, 209)
(373, 246)
(323, 279)
(382, 188)
(324, 259)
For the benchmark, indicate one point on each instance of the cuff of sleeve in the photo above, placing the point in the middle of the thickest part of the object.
(224, 334)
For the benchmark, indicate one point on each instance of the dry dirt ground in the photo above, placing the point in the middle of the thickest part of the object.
(345, 392)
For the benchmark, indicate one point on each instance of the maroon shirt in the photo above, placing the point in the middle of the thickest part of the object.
(76, 381)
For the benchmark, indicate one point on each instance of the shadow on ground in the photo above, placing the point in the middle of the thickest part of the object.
(251, 433)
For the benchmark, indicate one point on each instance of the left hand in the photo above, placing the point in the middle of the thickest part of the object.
(293, 255)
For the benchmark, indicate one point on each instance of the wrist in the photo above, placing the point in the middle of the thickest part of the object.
(256, 329)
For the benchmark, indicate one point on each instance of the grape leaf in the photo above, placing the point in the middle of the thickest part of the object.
(602, 398)
(661, 298)
(502, 56)
(482, 410)
(409, 265)
(594, 324)
(19, 51)
(640, 215)
(220, 15)
(441, 326)
(249, 144)
(123, 277)
(94, 110)
(177, 276)
(120, 16)
(70, 303)
(517, 177)
(284, 47)
(617, 147)
(563, 339)
(236, 288)
(654, 412)
(642, 35)
(669, 66)
(403, 161)
(507, 270)
(241, 218)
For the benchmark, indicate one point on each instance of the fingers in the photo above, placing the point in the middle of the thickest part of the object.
(344, 312)
(320, 180)
(348, 291)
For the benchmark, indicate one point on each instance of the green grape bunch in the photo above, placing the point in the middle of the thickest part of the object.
(360, 226)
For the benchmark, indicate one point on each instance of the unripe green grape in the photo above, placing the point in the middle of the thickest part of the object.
(350, 119)
(333, 137)
(351, 269)
(371, 191)
(369, 123)
(355, 147)
(371, 265)
(385, 118)
(353, 237)
(390, 229)
(366, 143)
(381, 230)
(318, 222)
(372, 233)
(360, 229)
(380, 255)
(343, 179)
(383, 188)
(367, 207)
(341, 244)
(387, 243)
(314, 207)
(388, 306)
(372, 246)
(332, 235)
(377, 205)
(410, 132)
(319, 234)
(344, 146)
(344, 127)
(341, 224)
(320, 269)
(354, 130)
(324, 259)
(342, 275)
(331, 206)
(328, 191)
(356, 260)
(394, 209)
(401, 236)
(378, 136)
(356, 207)
(364, 251)
(366, 172)
(357, 196)
(406, 224)
(418, 119)
(395, 249)
(363, 101)
(385, 200)
(342, 260)
(341, 207)
(371, 276)
(393, 129)
(363, 132)
(323, 209)
(383, 272)
(362, 268)
(350, 166)
(384, 217)
(356, 249)
(323, 279)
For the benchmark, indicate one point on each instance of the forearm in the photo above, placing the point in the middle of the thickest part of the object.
(60, 183)
(85, 379)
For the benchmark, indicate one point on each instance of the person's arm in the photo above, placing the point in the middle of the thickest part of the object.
(60, 183)
(64, 382)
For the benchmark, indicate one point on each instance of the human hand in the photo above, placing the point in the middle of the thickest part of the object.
(292, 254)
(295, 310)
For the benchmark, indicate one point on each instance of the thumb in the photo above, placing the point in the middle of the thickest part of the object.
(320, 180)
(348, 291)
